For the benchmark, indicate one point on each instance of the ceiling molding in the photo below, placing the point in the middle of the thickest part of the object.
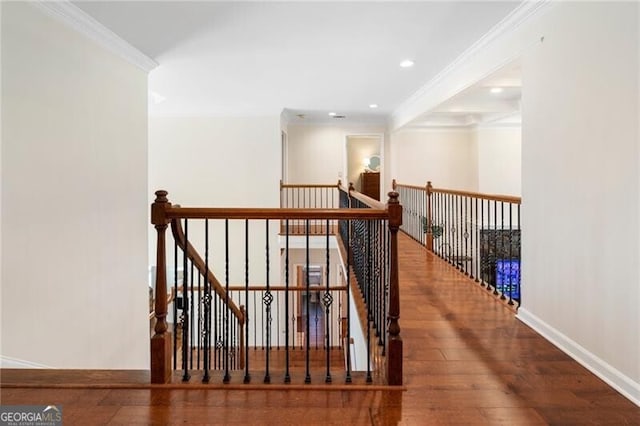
(520, 15)
(74, 17)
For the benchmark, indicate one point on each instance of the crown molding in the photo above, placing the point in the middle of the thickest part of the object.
(74, 17)
(508, 25)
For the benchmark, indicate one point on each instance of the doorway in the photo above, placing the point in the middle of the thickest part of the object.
(364, 163)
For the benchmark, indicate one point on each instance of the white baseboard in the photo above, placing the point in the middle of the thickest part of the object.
(8, 362)
(613, 377)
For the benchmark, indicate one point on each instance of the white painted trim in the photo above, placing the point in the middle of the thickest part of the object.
(613, 377)
(8, 362)
(74, 17)
(520, 15)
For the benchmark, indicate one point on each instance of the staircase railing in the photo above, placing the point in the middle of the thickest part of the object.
(477, 233)
(309, 196)
(216, 323)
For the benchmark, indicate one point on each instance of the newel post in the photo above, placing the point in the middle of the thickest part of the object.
(429, 218)
(394, 349)
(161, 340)
(394, 184)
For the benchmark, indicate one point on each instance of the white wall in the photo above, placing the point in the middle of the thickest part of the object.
(581, 284)
(446, 157)
(317, 153)
(499, 160)
(580, 184)
(74, 205)
(220, 162)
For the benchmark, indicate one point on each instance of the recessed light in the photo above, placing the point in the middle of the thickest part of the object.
(373, 106)
(496, 90)
(332, 114)
(407, 63)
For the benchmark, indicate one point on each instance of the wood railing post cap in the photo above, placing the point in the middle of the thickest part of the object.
(394, 197)
(161, 196)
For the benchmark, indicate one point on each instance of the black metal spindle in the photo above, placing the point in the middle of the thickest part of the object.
(192, 321)
(287, 376)
(199, 321)
(307, 378)
(327, 299)
(247, 376)
(227, 320)
(207, 307)
(495, 246)
(175, 304)
(518, 283)
(267, 299)
(348, 274)
(478, 243)
(483, 243)
(502, 290)
(472, 224)
(185, 305)
(511, 260)
(369, 317)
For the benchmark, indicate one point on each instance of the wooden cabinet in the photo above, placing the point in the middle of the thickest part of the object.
(370, 184)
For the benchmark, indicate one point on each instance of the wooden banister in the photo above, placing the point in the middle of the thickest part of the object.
(198, 262)
(308, 185)
(164, 213)
(479, 195)
(274, 213)
(372, 203)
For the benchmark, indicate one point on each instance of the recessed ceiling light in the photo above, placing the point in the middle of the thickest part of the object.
(332, 114)
(407, 63)
(496, 90)
(373, 106)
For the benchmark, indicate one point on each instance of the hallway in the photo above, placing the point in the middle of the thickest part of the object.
(467, 360)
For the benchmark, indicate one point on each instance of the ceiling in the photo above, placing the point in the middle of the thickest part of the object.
(494, 100)
(310, 58)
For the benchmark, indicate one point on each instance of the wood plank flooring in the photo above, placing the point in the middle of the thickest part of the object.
(468, 361)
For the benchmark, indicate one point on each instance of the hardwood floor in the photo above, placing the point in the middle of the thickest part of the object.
(468, 361)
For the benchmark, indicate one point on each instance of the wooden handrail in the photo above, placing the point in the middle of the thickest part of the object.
(430, 189)
(310, 185)
(491, 197)
(237, 287)
(176, 212)
(372, 203)
(198, 262)
(401, 185)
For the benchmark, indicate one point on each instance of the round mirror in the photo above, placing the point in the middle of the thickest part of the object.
(374, 163)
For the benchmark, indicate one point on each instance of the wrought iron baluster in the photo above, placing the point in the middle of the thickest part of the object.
(348, 276)
(185, 305)
(495, 247)
(511, 260)
(307, 378)
(227, 320)
(192, 321)
(207, 308)
(287, 376)
(267, 299)
(247, 376)
(368, 290)
(175, 304)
